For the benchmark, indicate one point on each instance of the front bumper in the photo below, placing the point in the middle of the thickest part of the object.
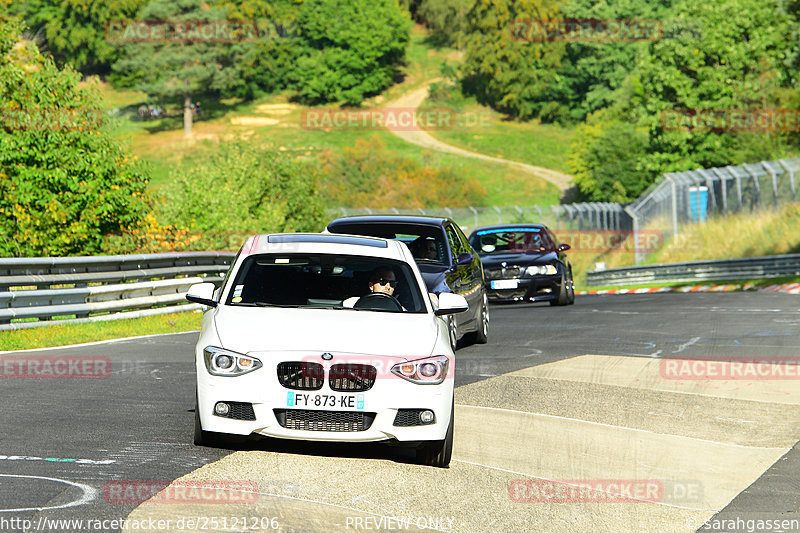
(534, 289)
(360, 416)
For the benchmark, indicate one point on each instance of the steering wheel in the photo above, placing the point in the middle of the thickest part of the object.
(378, 301)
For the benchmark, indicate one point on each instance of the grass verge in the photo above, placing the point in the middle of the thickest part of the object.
(65, 334)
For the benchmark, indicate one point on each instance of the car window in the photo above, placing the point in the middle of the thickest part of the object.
(455, 243)
(427, 243)
(510, 240)
(317, 281)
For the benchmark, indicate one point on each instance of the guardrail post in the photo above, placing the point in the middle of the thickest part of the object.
(738, 188)
(635, 219)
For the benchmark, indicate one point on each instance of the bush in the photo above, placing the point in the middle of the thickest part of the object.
(236, 191)
(64, 182)
(353, 49)
(368, 175)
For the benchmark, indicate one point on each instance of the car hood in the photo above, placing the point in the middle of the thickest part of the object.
(496, 260)
(248, 329)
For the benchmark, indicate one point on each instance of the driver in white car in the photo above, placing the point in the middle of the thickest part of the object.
(382, 280)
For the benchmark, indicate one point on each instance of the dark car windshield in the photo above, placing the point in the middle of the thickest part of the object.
(510, 240)
(320, 281)
(427, 243)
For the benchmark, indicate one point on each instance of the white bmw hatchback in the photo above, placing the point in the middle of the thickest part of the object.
(328, 338)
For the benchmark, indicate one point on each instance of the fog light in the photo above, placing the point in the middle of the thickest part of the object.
(221, 408)
(426, 417)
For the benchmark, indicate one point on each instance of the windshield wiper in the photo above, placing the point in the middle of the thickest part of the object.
(266, 304)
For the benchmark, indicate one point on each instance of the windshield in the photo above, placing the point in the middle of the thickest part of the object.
(514, 240)
(326, 281)
(427, 243)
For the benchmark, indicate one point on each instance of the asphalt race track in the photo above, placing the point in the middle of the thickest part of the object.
(592, 417)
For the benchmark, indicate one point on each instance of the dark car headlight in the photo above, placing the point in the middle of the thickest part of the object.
(541, 270)
(221, 362)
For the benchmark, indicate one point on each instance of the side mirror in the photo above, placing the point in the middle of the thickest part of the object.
(463, 259)
(451, 304)
(202, 293)
(563, 247)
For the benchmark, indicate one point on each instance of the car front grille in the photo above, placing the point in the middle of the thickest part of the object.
(301, 375)
(351, 377)
(409, 417)
(309, 420)
(240, 411)
(504, 273)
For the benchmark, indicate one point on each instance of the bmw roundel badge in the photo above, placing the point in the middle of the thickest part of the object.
(327, 356)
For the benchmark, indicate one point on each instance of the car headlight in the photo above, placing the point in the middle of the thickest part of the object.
(428, 371)
(220, 362)
(541, 270)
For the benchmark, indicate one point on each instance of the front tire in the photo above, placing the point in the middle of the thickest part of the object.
(201, 437)
(452, 332)
(438, 453)
(563, 297)
(481, 335)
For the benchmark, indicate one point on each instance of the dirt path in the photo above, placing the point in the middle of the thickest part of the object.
(414, 98)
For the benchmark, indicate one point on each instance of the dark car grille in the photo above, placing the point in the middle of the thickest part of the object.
(308, 420)
(508, 272)
(409, 417)
(240, 411)
(301, 375)
(352, 377)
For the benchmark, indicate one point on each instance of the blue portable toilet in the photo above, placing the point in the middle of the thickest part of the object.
(698, 203)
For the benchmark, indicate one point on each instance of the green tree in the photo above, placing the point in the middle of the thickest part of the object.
(74, 31)
(447, 20)
(175, 68)
(503, 67)
(353, 49)
(736, 63)
(64, 182)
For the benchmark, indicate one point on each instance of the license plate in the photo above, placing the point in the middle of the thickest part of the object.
(324, 401)
(505, 283)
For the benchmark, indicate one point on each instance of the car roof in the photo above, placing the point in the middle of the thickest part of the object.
(325, 243)
(394, 219)
(509, 226)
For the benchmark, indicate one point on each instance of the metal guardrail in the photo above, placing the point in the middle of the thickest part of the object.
(725, 269)
(101, 287)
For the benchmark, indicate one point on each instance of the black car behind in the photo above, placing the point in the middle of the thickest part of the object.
(524, 262)
(445, 258)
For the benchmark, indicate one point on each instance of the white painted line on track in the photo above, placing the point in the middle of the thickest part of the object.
(89, 494)
(529, 413)
(95, 343)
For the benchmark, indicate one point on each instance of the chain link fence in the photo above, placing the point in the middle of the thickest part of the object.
(595, 215)
(674, 200)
